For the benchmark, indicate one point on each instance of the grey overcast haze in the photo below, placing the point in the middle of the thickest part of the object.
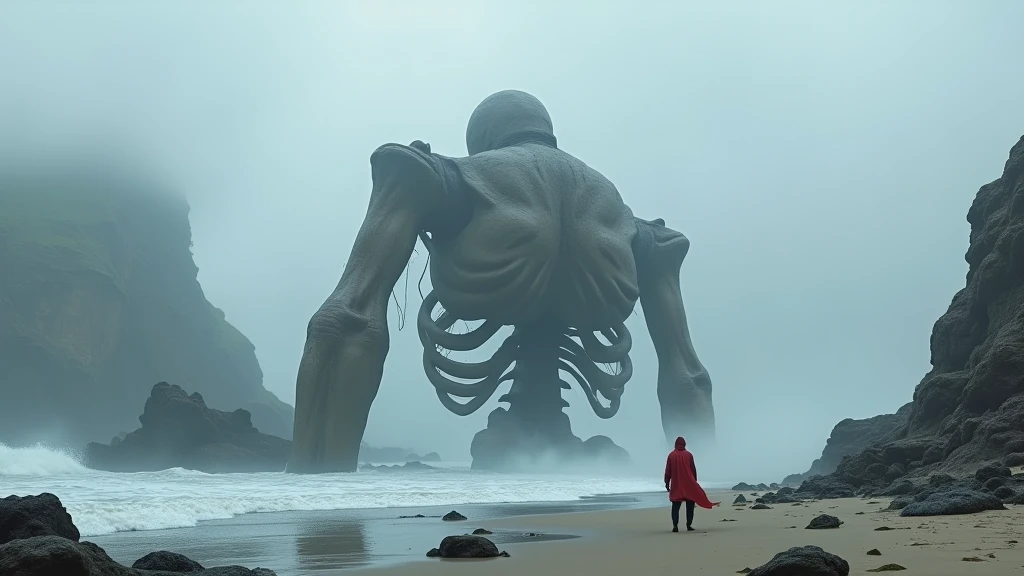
(820, 156)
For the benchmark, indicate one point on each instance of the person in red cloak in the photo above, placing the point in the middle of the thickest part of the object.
(681, 483)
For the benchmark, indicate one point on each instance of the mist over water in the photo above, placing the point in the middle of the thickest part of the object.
(104, 503)
(821, 157)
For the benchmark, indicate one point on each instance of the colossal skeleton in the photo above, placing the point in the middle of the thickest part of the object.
(520, 234)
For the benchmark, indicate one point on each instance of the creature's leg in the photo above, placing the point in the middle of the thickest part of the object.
(684, 387)
(347, 338)
(675, 513)
(690, 505)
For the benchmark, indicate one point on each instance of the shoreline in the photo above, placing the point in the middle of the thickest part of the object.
(335, 541)
(731, 539)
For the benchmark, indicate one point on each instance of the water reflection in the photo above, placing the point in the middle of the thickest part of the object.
(332, 545)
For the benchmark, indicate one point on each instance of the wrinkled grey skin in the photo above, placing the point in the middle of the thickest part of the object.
(520, 233)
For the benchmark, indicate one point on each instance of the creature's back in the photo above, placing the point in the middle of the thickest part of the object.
(549, 239)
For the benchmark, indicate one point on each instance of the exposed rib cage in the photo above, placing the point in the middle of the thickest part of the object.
(578, 355)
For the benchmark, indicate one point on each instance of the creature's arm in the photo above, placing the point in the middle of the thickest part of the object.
(347, 339)
(684, 387)
(668, 471)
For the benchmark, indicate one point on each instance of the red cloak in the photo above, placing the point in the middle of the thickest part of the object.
(681, 477)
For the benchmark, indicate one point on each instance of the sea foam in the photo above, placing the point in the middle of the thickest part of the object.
(104, 502)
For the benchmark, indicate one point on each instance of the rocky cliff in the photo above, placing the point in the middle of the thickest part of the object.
(969, 409)
(99, 298)
(849, 437)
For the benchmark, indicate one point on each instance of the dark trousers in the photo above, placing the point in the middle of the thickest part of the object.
(689, 512)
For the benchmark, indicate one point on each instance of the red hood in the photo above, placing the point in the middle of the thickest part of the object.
(680, 443)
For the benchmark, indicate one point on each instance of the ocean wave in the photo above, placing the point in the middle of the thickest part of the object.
(106, 502)
(38, 460)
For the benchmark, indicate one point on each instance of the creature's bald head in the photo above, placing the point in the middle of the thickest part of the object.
(506, 118)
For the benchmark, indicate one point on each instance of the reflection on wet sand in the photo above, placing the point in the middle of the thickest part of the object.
(332, 545)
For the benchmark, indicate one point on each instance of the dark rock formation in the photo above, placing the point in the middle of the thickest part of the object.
(992, 472)
(849, 437)
(179, 430)
(743, 487)
(167, 562)
(804, 561)
(739, 499)
(969, 408)
(59, 552)
(760, 507)
(509, 445)
(1004, 493)
(465, 546)
(398, 467)
(482, 532)
(874, 552)
(953, 502)
(887, 568)
(42, 515)
(785, 495)
(825, 487)
(99, 298)
(392, 455)
(1013, 460)
(824, 522)
(453, 516)
(53, 555)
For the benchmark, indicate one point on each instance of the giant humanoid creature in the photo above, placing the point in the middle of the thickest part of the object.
(520, 234)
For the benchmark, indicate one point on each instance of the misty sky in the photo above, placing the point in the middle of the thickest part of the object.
(820, 156)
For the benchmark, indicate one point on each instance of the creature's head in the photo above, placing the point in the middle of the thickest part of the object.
(507, 118)
(680, 443)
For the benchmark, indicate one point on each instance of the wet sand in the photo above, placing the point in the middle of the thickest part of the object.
(729, 539)
(337, 541)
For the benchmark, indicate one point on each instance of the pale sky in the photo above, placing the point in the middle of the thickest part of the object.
(820, 156)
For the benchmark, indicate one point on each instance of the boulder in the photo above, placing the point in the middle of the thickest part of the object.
(179, 430)
(986, 473)
(467, 546)
(167, 562)
(453, 516)
(956, 501)
(28, 516)
(743, 487)
(1004, 493)
(740, 499)
(1014, 459)
(824, 522)
(804, 561)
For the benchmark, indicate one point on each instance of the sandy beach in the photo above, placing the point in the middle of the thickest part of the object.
(729, 539)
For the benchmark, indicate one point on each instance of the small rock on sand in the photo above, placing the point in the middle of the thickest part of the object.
(453, 516)
(804, 560)
(482, 531)
(824, 522)
(887, 568)
(874, 552)
(760, 507)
